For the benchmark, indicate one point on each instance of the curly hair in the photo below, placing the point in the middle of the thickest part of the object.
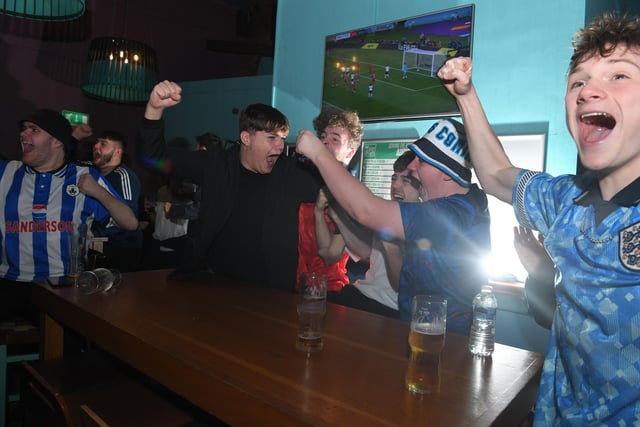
(603, 35)
(348, 120)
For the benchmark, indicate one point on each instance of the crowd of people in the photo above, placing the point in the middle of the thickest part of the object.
(264, 217)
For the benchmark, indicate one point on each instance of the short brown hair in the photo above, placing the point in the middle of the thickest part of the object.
(603, 35)
(262, 117)
(402, 162)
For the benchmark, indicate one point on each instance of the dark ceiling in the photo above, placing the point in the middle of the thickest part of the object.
(204, 39)
(255, 28)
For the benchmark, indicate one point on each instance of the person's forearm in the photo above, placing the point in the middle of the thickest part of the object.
(119, 211)
(323, 234)
(334, 252)
(330, 245)
(356, 199)
(491, 164)
(352, 239)
(151, 145)
(545, 272)
(153, 113)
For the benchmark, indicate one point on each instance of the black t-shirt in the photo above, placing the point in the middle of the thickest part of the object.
(238, 251)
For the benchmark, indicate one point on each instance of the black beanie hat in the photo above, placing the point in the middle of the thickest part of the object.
(54, 123)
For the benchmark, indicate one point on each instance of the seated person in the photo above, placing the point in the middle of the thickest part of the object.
(378, 291)
(539, 287)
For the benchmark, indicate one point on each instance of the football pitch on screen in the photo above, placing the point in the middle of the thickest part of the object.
(418, 94)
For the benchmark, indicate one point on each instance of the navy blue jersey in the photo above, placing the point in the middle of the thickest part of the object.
(126, 183)
(447, 240)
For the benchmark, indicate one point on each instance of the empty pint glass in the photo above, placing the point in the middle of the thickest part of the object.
(312, 306)
(98, 280)
(426, 339)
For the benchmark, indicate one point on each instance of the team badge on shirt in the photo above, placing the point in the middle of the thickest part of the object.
(73, 190)
(630, 247)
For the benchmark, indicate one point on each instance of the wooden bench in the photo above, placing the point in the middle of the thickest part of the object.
(93, 390)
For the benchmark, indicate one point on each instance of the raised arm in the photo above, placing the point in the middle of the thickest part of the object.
(330, 245)
(152, 149)
(165, 94)
(492, 166)
(356, 199)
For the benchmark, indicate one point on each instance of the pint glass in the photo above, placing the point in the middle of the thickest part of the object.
(76, 251)
(312, 306)
(426, 339)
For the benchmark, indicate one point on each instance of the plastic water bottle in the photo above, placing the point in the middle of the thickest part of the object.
(482, 336)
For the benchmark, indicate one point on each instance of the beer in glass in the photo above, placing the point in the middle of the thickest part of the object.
(426, 339)
(312, 306)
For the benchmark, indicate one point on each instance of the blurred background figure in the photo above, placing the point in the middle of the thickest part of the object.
(123, 248)
(539, 288)
(166, 244)
(209, 141)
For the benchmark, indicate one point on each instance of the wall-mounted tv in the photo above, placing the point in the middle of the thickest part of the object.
(388, 71)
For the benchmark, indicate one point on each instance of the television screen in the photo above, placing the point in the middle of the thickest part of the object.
(388, 71)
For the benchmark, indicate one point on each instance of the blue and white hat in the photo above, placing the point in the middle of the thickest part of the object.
(444, 146)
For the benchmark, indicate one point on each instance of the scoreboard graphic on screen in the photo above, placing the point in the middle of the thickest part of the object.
(376, 163)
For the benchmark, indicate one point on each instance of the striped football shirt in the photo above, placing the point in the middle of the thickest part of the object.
(37, 216)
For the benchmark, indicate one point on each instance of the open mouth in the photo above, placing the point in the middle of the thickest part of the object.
(271, 159)
(596, 126)
(599, 120)
(26, 148)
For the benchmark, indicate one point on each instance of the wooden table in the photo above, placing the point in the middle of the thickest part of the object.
(230, 349)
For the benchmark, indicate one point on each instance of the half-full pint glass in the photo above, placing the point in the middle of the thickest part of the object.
(312, 306)
(426, 339)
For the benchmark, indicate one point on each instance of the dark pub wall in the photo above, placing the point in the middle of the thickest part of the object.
(42, 64)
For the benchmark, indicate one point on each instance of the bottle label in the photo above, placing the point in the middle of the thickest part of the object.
(486, 313)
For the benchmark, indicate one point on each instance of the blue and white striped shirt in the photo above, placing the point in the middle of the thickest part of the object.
(38, 214)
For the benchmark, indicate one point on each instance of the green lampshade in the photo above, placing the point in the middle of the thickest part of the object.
(43, 10)
(120, 70)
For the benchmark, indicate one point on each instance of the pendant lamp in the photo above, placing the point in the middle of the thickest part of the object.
(120, 70)
(43, 10)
